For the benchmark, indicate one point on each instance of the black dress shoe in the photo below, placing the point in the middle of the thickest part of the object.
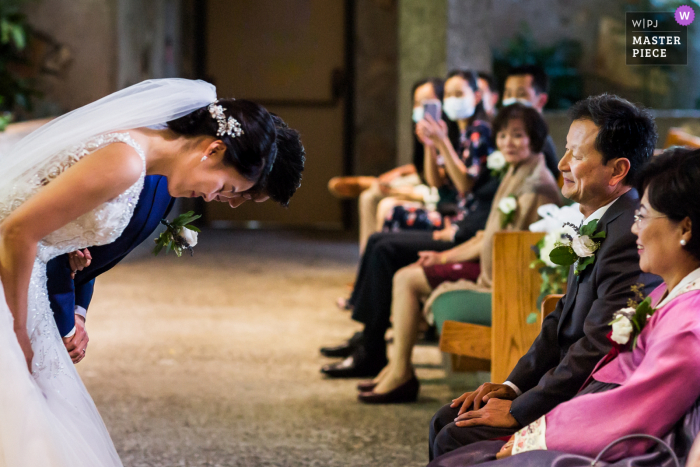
(407, 392)
(358, 365)
(344, 350)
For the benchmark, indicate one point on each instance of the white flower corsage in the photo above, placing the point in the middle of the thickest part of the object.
(628, 322)
(179, 235)
(496, 163)
(507, 206)
(579, 247)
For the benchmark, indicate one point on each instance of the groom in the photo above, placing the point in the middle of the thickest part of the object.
(71, 277)
(608, 142)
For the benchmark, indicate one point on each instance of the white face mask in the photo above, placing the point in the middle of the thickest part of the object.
(458, 108)
(518, 100)
(418, 114)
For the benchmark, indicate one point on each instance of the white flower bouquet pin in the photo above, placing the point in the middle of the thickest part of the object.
(579, 247)
(179, 234)
(496, 163)
(507, 206)
(628, 322)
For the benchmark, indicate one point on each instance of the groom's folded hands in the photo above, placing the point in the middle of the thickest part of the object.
(77, 343)
(79, 260)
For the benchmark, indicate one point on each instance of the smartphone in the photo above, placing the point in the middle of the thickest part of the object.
(433, 107)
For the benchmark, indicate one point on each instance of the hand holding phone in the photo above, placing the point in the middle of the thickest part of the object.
(433, 107)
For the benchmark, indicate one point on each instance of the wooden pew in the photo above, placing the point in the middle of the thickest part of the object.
(678, 137)
(515, 292)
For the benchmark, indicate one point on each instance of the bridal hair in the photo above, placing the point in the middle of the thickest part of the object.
(624, 130)
(265, 150)
(671, 180)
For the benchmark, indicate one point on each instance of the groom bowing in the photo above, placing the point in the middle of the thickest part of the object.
(608, 142)
(71, 277)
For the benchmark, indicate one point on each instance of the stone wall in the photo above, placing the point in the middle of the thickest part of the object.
(88, 29)
(422, 50)
(375, 86)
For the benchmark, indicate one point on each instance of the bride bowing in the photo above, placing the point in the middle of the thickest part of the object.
(73, 184)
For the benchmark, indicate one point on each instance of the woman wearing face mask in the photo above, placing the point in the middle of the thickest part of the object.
(528, 184)
(73, 184)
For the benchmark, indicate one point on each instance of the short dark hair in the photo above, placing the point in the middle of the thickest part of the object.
(671, 180)
(535, 126)
(490, 79)
(469, 76)
(437, 83)
(625, 130)
(540, 80)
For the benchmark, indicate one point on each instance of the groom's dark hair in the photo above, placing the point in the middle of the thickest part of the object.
(624, 130)
(268, 152)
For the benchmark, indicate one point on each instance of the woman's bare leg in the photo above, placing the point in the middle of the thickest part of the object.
(410, 285)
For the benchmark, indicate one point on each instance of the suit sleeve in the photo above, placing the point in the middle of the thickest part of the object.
(61, 292)
(83, 294)
(609, 291)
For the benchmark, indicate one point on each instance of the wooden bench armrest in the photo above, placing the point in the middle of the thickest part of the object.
(549, 304)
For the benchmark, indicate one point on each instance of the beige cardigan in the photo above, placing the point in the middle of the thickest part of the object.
(533, 185)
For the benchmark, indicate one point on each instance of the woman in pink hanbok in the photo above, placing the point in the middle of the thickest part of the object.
(651, 378)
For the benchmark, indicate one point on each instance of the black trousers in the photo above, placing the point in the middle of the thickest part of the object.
(386, 253)
(445, 436)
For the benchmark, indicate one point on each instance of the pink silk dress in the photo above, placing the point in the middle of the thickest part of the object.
(659, 382)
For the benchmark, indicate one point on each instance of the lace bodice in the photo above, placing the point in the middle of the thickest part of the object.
(100, 226)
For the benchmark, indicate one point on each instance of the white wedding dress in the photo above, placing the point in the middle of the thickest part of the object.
(47, 418)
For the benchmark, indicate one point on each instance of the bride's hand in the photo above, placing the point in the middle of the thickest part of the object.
(26, 346)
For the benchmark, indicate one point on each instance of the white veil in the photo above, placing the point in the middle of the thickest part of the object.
(148, 103)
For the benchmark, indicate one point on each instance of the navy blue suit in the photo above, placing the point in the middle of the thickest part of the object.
(65, 293)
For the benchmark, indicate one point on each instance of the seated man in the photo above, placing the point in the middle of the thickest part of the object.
(608, 142)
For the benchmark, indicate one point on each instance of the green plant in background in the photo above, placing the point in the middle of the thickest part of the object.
(15, 91)
(554, 276)
(560, 61)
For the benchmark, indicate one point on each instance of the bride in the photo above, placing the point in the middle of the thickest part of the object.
(73, 184)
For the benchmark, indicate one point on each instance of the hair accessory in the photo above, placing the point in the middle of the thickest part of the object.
(683, 242)
(231, 127)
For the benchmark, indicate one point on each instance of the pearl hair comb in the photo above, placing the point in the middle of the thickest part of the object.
(230, 126)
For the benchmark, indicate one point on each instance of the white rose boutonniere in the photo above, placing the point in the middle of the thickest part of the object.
(507, 205)
(496, 163)
(179, 235)
(579, 247)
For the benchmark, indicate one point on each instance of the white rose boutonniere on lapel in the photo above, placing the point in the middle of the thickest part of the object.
(579, 248)
(179, 235)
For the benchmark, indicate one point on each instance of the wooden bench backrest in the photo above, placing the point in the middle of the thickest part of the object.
(516, 287)
(678, 137)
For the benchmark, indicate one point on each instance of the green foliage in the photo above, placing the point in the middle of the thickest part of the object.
(559, 60)
(15, 33)
(563, 255)
(554, 280)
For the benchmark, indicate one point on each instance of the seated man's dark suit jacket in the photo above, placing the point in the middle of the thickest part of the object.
(65, 293)
(573, 337)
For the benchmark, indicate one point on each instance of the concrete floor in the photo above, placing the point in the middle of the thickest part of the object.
(213, 360)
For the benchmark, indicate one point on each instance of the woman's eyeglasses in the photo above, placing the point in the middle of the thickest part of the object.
(639, 217)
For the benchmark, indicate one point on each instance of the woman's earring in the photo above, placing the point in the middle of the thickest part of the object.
(683, 242)
(203, 159)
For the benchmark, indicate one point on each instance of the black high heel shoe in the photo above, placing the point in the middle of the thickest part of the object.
(407, 392)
